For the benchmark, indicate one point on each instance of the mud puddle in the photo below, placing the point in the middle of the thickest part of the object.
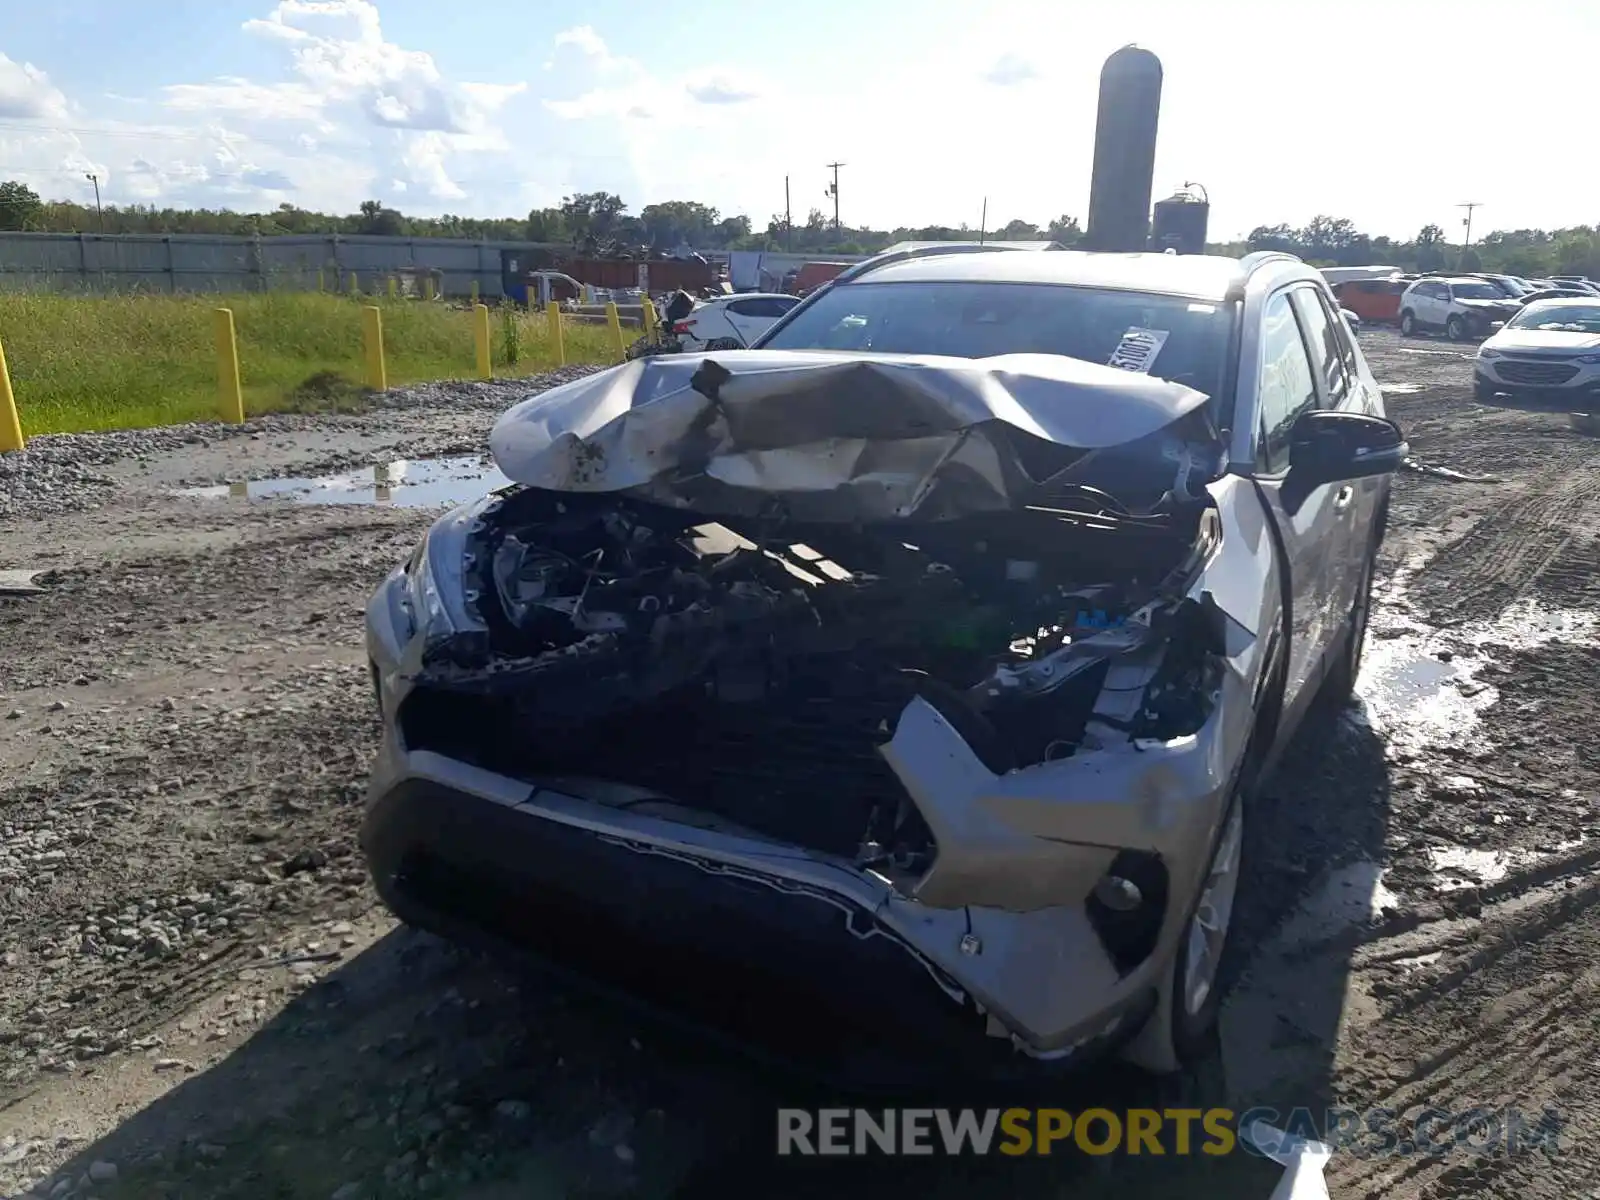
(1399, 389)
(416, 483)
(1419, 686)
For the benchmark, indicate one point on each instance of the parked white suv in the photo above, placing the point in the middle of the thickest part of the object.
(731, 322)
(1459, 307)
(1551, 348)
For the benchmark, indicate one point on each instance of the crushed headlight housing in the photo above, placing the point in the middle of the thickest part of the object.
(427, 607)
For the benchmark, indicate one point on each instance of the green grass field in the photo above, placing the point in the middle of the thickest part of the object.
(123, 361)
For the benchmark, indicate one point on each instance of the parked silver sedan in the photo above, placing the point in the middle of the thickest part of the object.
(907, 676)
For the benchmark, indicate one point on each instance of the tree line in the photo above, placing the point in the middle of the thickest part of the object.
(601, 222)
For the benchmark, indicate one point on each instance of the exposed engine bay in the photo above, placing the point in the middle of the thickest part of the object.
(748, 670)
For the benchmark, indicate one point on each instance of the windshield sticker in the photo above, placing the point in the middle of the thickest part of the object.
(1138, 349)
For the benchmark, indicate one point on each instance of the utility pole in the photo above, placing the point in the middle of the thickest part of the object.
(1467, 221)
(833, 190)
(788, 219)
(100, 212)
(983, 221)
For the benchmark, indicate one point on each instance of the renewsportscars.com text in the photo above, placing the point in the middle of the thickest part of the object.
(1377, 1132)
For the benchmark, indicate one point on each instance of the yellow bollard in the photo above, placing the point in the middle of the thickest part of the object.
(652, 326)
(553, 312)
(322, 280)
(427, 287)
(372, 340)
(614, 319)
(394, 288)
(355, 285)
(10, 423)
(474, 291)
(228, 389)
(480, 337)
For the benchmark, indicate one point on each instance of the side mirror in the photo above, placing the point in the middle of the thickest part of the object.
(1328, 446)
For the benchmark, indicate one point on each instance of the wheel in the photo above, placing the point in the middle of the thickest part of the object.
(1197, 990)
(1339, 685)
(1455, 328)
(1482, 390)
(1408, 324)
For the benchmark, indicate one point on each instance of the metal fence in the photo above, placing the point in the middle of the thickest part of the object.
(216, 263)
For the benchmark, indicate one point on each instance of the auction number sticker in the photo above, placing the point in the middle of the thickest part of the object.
(1138, 349)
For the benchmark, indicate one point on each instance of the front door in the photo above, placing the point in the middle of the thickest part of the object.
(1310, 521)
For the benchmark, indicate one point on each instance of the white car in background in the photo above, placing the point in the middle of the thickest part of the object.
(731, 322)
(1551, 350)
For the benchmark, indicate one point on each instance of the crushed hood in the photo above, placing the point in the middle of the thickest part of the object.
(851, 438)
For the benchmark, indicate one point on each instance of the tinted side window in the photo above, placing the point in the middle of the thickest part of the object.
(766, 306)
(1323, 339)
(1286, 382)
(1347, 345)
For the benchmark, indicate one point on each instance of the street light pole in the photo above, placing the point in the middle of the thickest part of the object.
(99, 212)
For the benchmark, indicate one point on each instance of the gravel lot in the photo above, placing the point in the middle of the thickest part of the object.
(200, 998)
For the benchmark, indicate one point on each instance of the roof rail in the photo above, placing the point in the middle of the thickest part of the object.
(1257, 257)
(893, 256)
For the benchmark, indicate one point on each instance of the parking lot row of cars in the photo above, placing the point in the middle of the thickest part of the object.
(1461, 305)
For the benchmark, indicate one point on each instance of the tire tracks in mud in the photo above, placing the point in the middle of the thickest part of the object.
(1533, 545)
(1519, 998)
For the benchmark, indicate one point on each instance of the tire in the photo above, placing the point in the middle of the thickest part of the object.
(1408, 324)
(1192, 1027)
(1455, 328)
(1197, 984)
(1482, 391)
(1339, 685)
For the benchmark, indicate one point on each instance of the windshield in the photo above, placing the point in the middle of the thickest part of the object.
(1476, 291)
(1565, 318)
(1171, 337)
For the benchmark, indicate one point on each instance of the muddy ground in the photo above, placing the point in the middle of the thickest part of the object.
(198, 996)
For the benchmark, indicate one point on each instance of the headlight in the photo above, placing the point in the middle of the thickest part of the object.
(428, 611)
(436, 595)
(1589, 359)
(1485, 352)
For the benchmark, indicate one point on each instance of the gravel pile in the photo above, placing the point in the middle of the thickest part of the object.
(66, 472)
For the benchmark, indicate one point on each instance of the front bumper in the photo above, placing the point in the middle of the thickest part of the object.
(804, 976)
(1528, 376)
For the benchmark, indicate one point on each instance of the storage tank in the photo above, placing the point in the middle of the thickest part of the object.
(1124, 151)
(1180, 224)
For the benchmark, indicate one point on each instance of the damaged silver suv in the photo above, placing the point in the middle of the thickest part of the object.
(895, 688)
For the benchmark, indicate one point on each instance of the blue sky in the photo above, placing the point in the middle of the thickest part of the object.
(1388, 113)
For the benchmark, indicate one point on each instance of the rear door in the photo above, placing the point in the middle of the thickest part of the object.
(1310, 521)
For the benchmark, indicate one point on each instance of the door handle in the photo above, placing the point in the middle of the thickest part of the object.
(1341, 500)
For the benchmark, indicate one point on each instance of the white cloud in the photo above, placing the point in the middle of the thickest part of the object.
(722, 87)
(584, 38)
(264, 101)
(359, 92)
(26, 92)
(1009, 70)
